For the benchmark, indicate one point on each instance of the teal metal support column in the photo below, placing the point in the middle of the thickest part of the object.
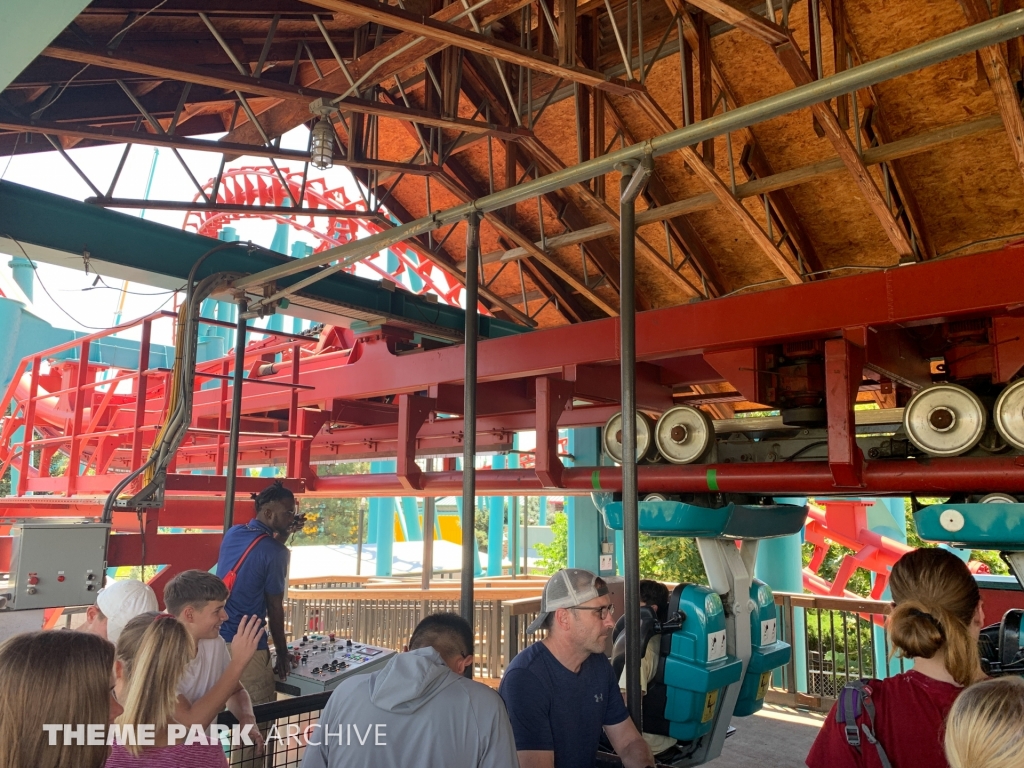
(373, 512)
(513, 514)
(542, 510)
(385, 526)
(23, 272)
(583, 518)
(411, 513)
(780, 566)
(495, 525)
(29, 26)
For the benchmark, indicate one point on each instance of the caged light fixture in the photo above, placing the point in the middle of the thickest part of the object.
(321, 153)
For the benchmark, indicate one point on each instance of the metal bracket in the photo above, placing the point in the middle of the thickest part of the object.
(413, 411)
(552, 397)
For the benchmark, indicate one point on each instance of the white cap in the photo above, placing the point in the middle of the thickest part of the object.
(122, 601)
(567, 588)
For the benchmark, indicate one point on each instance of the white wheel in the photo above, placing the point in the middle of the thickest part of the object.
(1008, 414)
(683, 434)
(612, 438)
(944, 420)
(997, 498)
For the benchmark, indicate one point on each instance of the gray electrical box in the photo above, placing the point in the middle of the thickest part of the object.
(54, 565)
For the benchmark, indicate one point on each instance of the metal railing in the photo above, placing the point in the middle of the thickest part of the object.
(285, 724)
(835, 640)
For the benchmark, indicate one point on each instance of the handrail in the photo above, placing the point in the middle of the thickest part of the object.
(488, 593)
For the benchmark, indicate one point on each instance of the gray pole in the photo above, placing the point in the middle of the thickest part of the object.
(629, 187)
(469, 428)
(428, 535)
(359, 541)
(236, 418)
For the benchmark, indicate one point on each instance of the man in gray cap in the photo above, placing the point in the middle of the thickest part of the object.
(562, 691)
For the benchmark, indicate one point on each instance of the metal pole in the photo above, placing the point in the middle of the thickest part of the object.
(236, 417)
(630, 525)
(359, 540)
(469, 415)
(987, 33)
(428, 534)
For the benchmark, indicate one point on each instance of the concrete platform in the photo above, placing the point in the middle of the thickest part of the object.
(775, 737)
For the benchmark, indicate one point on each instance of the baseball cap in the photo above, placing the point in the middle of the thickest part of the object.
(121, 601)
(567, 588)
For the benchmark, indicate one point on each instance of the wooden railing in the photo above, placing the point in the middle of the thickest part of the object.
(385, 613)
(835, 640)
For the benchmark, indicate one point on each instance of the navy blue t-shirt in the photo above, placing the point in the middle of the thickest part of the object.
(264, 572)
(555, 709)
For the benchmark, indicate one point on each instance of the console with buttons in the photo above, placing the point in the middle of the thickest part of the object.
(55, 564)
(321, 661)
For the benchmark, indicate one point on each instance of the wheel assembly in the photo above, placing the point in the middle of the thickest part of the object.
(998, 498)
(1008, 414)
(612, 438)
(944, 420)
(683, 434)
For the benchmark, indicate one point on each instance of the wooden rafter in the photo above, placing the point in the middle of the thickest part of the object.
(687, 238)
(449, 34)
(997, 70)
(663, 124)
(788, 53)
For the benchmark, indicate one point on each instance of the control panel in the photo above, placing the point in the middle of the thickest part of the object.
(54, 565)
(321, 661)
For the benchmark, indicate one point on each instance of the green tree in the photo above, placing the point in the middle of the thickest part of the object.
(671, 558)
(333, 521)
(555, 555)
(5, 483)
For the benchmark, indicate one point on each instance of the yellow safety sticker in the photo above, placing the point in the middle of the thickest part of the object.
(710, 702)
(762, 687)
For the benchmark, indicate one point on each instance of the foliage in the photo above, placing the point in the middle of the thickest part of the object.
(672, 559)
(332, 521)
(840, 642)
(860, 582)
(555, 555)
(5, 483)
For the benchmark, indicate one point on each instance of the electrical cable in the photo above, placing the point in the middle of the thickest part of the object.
(805, 449)
(11, 158)
(57, 304)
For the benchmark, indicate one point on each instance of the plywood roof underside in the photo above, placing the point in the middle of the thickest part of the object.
(955, 188)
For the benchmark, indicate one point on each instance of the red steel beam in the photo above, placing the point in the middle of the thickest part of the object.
(970, 286)
(880, 478)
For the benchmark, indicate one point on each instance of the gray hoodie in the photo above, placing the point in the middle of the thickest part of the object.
(413, 713)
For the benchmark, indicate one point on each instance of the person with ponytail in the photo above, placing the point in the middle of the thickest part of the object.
(154, 670)
(935, 621)
(986, 725)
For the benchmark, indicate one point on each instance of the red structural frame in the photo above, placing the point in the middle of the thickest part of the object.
(378, 394)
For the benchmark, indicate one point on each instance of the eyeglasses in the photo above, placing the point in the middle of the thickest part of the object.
(603, 611)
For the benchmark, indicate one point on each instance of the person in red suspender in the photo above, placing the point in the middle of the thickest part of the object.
(253, 563)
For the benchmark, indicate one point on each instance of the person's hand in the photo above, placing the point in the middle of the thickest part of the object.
(246, 639)
(254, 733)
(283, 665)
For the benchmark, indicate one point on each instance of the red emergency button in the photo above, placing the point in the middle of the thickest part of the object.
(60, 577)
(33, 579)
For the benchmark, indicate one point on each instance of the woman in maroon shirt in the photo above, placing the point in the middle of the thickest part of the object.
(935, 621)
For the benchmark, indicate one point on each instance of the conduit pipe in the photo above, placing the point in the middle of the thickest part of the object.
(800, 478)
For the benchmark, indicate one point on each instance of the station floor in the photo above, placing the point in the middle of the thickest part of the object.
(775, 737)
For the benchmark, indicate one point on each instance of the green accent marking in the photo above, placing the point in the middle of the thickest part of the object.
(595, 480)
(712, 480)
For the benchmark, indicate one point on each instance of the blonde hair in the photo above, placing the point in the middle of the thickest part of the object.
(53, 677)
(162, 657)
(986, 725)
(130, 640)
(935, 598)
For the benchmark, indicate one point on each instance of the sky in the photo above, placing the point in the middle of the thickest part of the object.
(79, 304)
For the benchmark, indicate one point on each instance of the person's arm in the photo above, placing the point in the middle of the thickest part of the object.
(830, 748)
(239, 704)
(629, 744)
(243, 646)
(275, 622)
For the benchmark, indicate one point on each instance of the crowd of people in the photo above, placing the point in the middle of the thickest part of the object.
(131, 667)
